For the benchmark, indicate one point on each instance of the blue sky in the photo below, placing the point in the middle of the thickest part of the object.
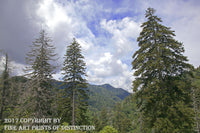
(106, 29)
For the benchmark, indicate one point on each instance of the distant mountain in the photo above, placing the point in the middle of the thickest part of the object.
(99, 95)
(102, 95)
(105, 96)
(121, 93)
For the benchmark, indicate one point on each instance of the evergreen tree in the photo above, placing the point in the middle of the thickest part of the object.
(104, 118)
(121, 122)
(15, 95)
(76, 87)
(97, 123)
(9, 90)
(38, 89)
(159, 66)
(4, 88)
(196, 97)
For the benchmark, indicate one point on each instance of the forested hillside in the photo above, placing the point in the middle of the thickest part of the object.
(103, 100)
(105, 96)
(100, 96)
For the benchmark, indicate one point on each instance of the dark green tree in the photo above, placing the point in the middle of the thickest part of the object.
(159, 66)
(9, 90)
(97, 123)
(104, 118)
(40, 68)
(196, 97)
(75, 94)
(121, 121)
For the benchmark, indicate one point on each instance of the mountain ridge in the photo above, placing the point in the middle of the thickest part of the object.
(100, 96)
(105, 96)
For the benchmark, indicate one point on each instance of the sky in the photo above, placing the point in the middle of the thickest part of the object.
(107, 31)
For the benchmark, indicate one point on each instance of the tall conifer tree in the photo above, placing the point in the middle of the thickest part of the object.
(74, 69)
(4, 88)
(159, 65)
(40, 70)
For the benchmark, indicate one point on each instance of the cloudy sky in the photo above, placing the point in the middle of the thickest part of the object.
(106, 29)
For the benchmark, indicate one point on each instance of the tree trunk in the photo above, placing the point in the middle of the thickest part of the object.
(73, 108)
(141, 123)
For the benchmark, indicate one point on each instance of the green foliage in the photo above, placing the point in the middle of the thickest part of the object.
(121, 121)
(108, 129)
(104, 96)
(195, 78)
(5, 90)
(75, 95)
(40, 57)
(96, 122)
(162, 91)
(123, 116)
(104, 117)
(74, 65)
(159, 56)
(37, 96)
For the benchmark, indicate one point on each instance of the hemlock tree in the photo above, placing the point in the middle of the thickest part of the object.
(163, 96)
(74, 76)
(40, 70)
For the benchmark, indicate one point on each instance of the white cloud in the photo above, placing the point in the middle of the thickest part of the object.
(100, 67)
(2, 63)
(189, 35)
(52, 13)
(17, 68)
(13, 67)
(85, 43)
(109, 69)
(187, 28)
(123, 33)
